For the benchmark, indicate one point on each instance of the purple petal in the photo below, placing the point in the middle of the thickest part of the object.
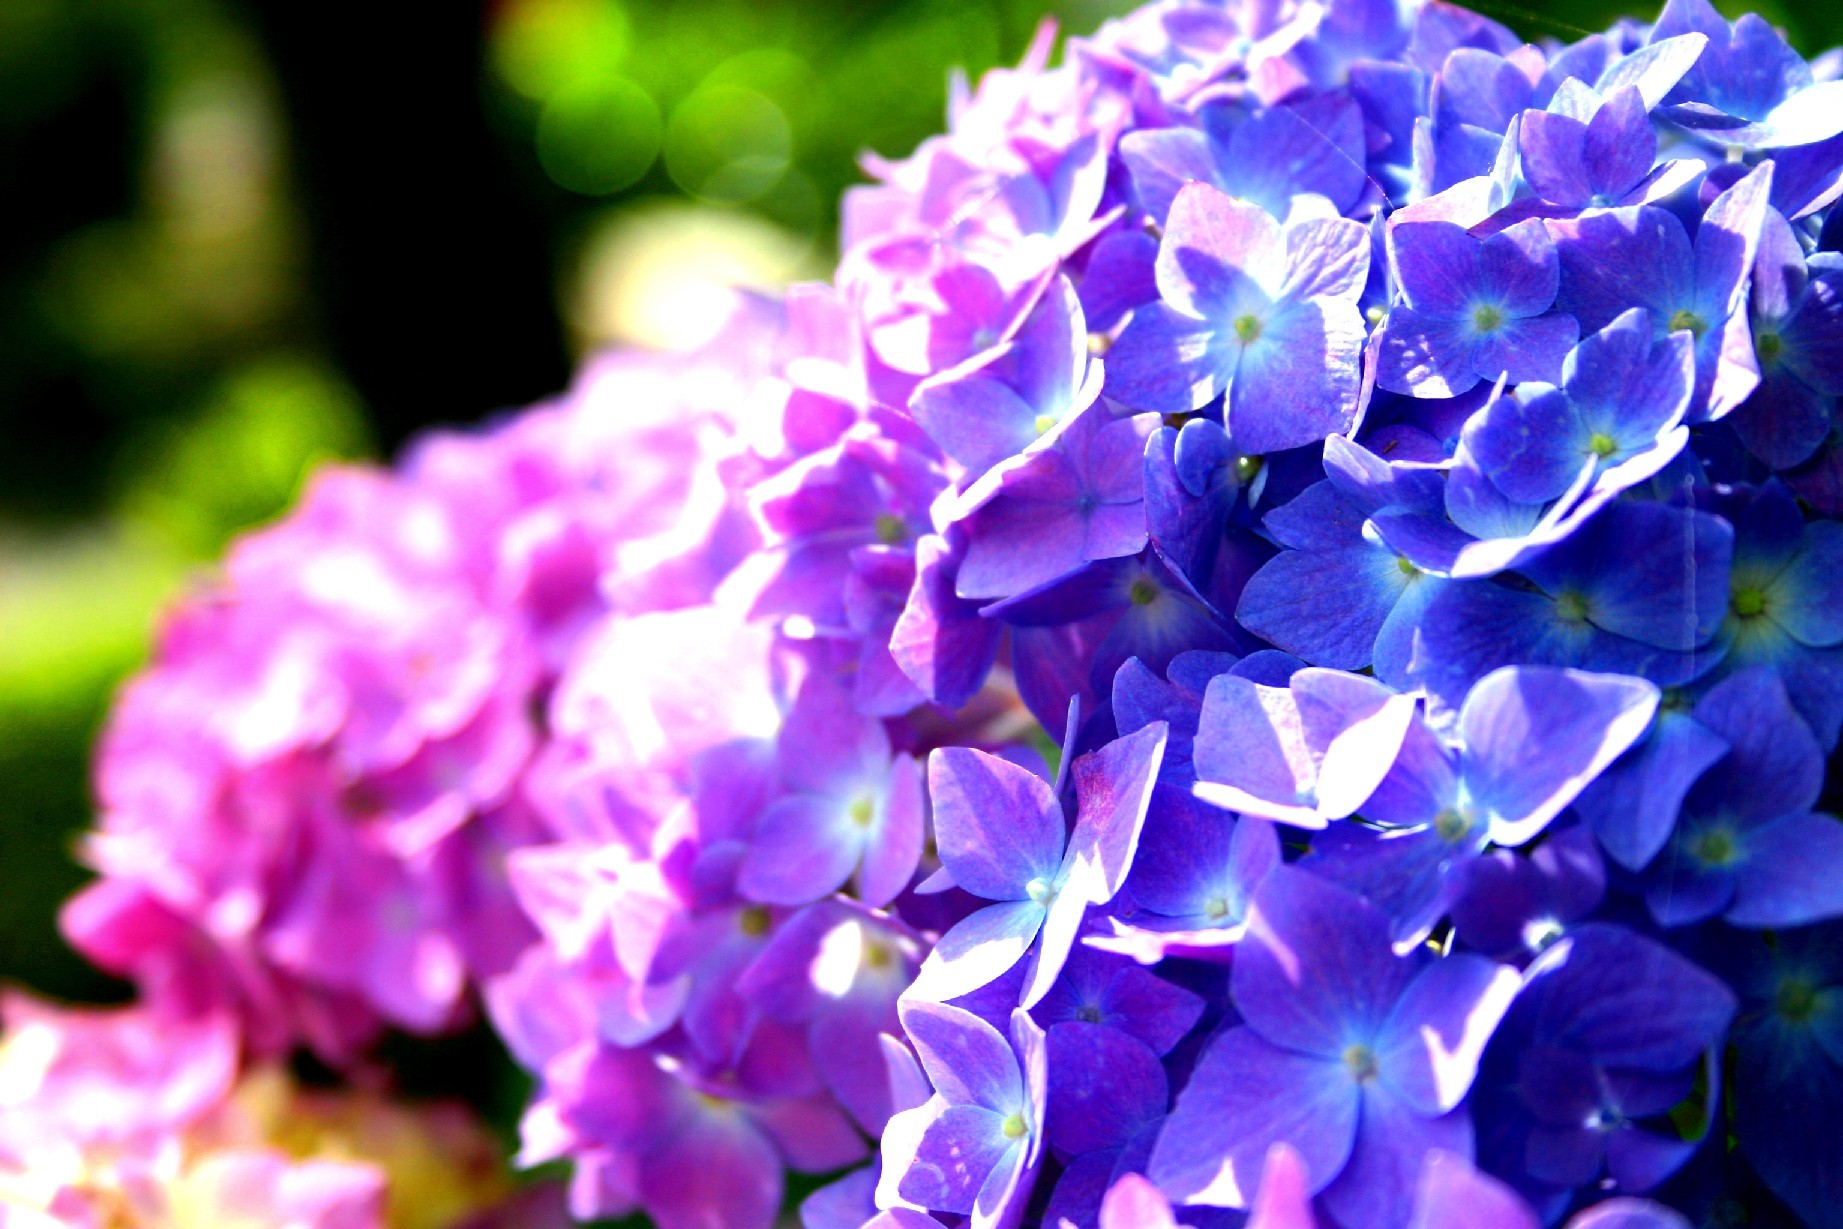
(1168, 362)
(895, 844)
(1683, 891)
(1530, 349)
(997, 826)
(1793, 875)
(1535, 736)
(720, 1170)
(958, 1153)
(1514, 905)
(1437, 266)
(1429, 1049)
(1520, 268)
(976, 420)
(1079, 1193)
(1244, 1096)
(805, 847)
(1114, 785)
(978, 949)
(1729, 238)
(1146, 1006)
(1454, 1195)
(1667, 587)
(1324, 606)
(1377, 1188)
(1102, 988)
(1316, 965)
(1415, 875)
(1252, 743)
(1105, 1086)
(1527, 444)
(1620, 146)
(1628, 385)
(1297, 382)
(1119, 278)
(1804, 597)
(1361, 724)
(1303, 755)
(1161, 161)
(1425, 356)
(1626, 1000)
(940, 640)
(1774, 765)
(1614, 259)
(1627, 1213)
(1216, 251)
(1327, 256)
(967, 1060)
(1554, 162)
(1632, 807)
(1320, 518)
(1311, 146)
(1132, 1202)
(1784, 421)
(1029, 535)
(1061, 925)
(1186, 850)
(1653, 70)
(1284, 1200)
(844, 1204)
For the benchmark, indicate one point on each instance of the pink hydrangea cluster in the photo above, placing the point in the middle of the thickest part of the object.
(307, 798)
(123, 1117)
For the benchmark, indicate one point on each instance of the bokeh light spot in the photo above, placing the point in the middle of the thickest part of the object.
(599, 139)
(728, 144)
(546, 47)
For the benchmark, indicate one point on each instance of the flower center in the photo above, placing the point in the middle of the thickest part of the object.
(877, 956)
(1143, 592)
(753, 921)
(1602, 445)
(1487, 318)
(1768, 346)
(1089, 1012)
(1684, 318)
(1715, 847)
(1407, 569)
(890, 529)
(862, 811)
(1360, 1061)
(1571, 608)
(1044, 423)
(1452, 824)
(1246, 468)
(1796, 1000)
(1014, 1127)
(1748, 602)
(1247, 327)
(1216, 908)
(1041, 891)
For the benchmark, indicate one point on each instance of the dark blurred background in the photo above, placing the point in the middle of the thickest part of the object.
(239, 238)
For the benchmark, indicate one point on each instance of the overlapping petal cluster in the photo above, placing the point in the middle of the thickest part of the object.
(127, 1118)
(308, 797)
(1399, 466)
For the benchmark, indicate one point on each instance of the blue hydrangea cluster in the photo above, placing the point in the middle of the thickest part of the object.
(1397, 463)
